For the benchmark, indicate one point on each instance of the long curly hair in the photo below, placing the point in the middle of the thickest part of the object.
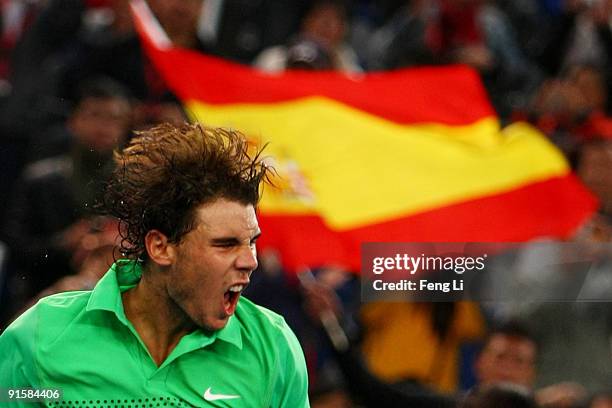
(166, 172)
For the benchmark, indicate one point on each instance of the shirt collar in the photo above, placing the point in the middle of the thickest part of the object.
(125, 274)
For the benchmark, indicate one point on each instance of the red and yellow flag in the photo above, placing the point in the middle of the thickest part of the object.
(410, 155)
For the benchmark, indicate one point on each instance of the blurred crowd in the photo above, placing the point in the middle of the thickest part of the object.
(74, 83)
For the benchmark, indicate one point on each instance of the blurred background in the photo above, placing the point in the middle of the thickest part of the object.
(74, 82)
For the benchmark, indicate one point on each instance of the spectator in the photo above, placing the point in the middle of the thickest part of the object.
(508, 360)
(51, 211)
(16, 18)
(508, 357)
(594, 163)
(409, 37)
(601, 400)
(418, 342)
(472, 32)
(574, 337)
(166, 110)
(179, 19)
(319, 44)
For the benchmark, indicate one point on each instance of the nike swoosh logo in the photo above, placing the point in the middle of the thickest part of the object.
(209, 396)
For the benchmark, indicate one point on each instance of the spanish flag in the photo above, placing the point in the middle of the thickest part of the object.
(405, 156)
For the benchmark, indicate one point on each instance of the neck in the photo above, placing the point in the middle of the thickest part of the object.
(159, 322)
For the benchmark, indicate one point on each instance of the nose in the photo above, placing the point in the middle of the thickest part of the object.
(247, 259)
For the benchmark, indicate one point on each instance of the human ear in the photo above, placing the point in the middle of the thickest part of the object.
(160, 250)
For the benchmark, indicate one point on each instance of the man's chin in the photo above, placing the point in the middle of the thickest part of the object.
(214, 325)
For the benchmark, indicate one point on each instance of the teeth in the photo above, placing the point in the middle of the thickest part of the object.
(236, 288)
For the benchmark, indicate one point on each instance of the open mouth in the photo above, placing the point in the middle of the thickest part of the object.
(230, 298)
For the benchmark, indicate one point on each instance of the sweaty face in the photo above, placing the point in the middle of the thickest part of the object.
(507, 359)
(214, 262)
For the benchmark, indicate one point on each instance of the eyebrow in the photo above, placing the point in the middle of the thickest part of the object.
(232, 240)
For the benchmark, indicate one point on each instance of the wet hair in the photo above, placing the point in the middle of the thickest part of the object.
(166, 172)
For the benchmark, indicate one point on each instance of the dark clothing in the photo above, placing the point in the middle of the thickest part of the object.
(43, 205)
(105, 53)
(375, 393)
(52, 195)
